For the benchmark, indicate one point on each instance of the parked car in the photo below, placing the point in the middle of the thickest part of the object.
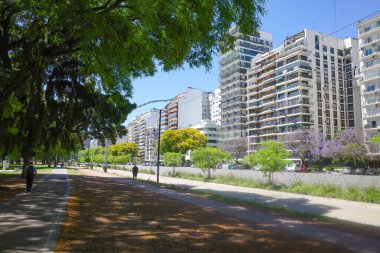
(347, 171)
(371, 171)
(359, 171)
(291, 167)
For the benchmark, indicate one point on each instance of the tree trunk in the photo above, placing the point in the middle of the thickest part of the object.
(173, 171)
(208, 173)
(49, 163)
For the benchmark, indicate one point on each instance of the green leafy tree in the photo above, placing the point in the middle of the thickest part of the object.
(209, 157)
(125, 148)
(182, 140)
(66, 66)
(270, 157)
(173, 159)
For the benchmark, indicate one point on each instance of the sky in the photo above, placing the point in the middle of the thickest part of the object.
(283, 18)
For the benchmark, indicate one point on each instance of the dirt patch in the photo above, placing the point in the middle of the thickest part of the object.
(105, 215)
(10, 186)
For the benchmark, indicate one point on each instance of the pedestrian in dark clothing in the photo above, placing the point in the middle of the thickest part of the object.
(31, 174)
(135, 170)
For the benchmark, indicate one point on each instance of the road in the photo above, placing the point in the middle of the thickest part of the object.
(286, 178)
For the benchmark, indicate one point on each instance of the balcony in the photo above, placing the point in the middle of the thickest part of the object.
(366, 32)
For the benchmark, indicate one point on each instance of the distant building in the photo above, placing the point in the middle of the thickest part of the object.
(233, 75)
(369, 56)
(143, 130)
(193, 107)
(215, 106)
(211, 130)
(305, 83)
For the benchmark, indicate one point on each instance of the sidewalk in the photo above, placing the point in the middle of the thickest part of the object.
(363, 213)
(31, 222)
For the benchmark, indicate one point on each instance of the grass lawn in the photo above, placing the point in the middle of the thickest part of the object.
(12, 184)
(106, 215)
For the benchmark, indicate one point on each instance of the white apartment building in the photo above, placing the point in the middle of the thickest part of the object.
(215, 109)
(305, 83)
(193, 107)
(233, 73)
(211, 130)
(369, 55)
(143, 130)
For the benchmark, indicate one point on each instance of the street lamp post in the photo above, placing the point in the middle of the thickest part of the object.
(158, 147)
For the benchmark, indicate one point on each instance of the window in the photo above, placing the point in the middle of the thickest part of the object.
(369, 64)
(281, 104)
(340, 52)
(293, 93)
(317, 62)
(331, 50)
(368, 52)
(371, 87)
(325, 49)
(281, 96)
(316, 40)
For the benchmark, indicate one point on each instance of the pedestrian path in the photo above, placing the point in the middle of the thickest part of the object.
(363, 213)
(31, 222)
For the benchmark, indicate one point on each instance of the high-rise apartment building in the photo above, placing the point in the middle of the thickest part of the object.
(369, 55)
(193, 107)
(305, 83)
(215, 110)
(233, 73)
(143, 130)
(172, 112)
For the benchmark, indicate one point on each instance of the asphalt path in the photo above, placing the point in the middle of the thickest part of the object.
(31, 222)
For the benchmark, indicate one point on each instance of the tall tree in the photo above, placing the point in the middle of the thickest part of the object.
(182, 140)
(304, 143)
(346, 147)
(124, 148)
(66, 66)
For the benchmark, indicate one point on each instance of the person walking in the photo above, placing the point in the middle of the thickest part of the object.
(135, 170)
(31, 174)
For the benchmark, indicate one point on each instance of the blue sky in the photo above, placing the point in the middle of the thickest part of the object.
(283, 18)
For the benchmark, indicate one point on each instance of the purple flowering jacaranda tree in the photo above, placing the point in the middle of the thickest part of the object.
(305, 143)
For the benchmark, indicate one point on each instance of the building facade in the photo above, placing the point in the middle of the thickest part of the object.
(211, 130)
(307, 82)
(369, 77)
(215, 109)
(193, 107)
(143, 130)
(233, 73)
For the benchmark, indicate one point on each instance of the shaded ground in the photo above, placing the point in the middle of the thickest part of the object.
(12, 184)
(105, 215)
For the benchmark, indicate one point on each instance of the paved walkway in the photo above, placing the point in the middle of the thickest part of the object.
(31, 222)
(353, 211)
